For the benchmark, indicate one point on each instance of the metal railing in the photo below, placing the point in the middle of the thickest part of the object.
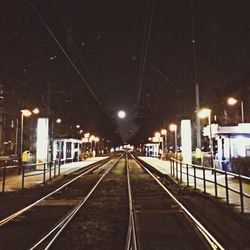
(181, 170)
(46, 167)
(52, 169)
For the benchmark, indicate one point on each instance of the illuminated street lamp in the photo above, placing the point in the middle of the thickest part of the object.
(206, 113)
(173, 128)
(158, 135)
(232, 101)
(58, 120)
(96, 140)
(91, 139)
(87, 135)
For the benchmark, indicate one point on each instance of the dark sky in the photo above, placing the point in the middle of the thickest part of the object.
(106, 42)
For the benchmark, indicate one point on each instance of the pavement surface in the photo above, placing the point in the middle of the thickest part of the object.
(14, 182)
(164, 168)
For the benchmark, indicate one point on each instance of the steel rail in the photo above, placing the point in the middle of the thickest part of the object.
(14, 215)
(214, 244)
(131, 242)
(65, 221)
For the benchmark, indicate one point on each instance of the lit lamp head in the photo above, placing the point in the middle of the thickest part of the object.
(86, 135)
(77, 126)
(157, 135)
(163, 131)
(231, 101)
(35, 111)
(58, 120)
(26, 112)
(173, 127)
(91, 138)
(204, 113)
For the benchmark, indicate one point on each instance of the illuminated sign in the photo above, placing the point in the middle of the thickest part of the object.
(42, 140)
(186, 141)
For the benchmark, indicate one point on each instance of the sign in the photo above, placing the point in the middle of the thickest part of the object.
(42, 140)
(186, 141)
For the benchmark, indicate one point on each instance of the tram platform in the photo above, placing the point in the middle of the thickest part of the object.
(234, 199)
(14, 181)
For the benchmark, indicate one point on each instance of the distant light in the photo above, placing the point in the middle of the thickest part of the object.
(163, 131)
(58, 120)
(86, 135)
(84, 140)
(91, 138)
(157, 135)
(204, 113)
(173, 127)
(35, 111)
(231, 101)
(121, 114)
(77, 126)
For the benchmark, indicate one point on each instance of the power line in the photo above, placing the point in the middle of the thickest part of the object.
(141, 76)
(130, 46)
(75, 49)
(66, 55)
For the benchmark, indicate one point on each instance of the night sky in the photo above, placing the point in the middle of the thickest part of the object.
(107, 41)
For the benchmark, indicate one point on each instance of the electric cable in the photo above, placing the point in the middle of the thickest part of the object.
(67, 56)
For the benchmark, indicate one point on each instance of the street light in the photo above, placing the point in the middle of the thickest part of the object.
(58, 120)
(206, 113)
(97, 139)
(173, 128)
(232, 101)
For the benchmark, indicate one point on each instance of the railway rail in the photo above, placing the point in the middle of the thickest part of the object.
(116, 205)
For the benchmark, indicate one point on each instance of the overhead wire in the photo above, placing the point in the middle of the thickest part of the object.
(132, 47)
(145, 52)
(67, 56)
(75, 49)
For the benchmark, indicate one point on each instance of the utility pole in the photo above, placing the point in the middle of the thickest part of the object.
(197, 94)
(1, 119)
(48, 103)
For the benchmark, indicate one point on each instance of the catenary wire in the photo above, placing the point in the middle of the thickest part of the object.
(145, 53)
(67, 56)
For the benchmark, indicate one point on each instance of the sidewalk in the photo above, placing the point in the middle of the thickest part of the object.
(164, 167)
(14, 182)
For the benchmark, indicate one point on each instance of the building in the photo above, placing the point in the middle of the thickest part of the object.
(232, 142)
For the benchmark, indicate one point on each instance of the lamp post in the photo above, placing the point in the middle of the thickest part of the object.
(173, 128)
(91, 139)
(59, 121)
(232, 101)
(206, 113)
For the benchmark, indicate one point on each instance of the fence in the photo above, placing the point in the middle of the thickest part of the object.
(191, 174)
(52, 169)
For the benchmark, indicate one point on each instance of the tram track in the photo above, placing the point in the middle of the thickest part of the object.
(161, 220)
(121, 205)
(31, 223)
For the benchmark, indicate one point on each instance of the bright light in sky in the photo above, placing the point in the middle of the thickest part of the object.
(121, 114)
